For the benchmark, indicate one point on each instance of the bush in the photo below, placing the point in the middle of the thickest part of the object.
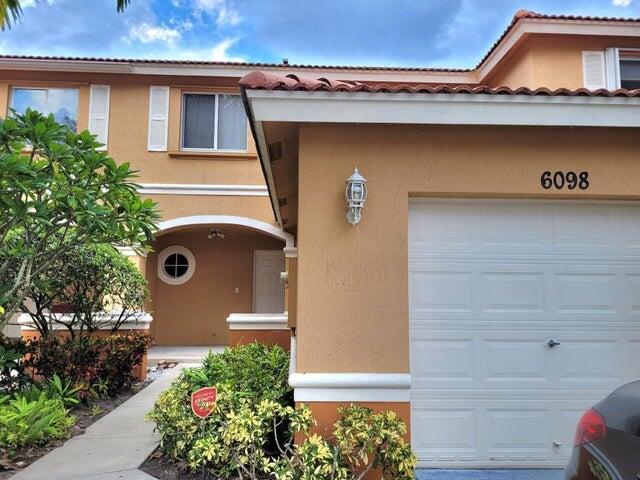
(97, 284)
(32, 420)
(244, 375)
(87, 362)
(251, 431)
(13, 376)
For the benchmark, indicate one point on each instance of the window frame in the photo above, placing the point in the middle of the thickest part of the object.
(46, 88)
(166, 253)
(635, 57)
(217, 94)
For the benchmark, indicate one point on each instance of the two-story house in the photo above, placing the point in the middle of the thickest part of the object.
(488, 286)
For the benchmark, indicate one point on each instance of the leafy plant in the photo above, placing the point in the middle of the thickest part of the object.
(94, 366)
(97, 284)
(251, 432)
(13, 376)
(64, 390)
(368, 440)
(32, 422)
(96, 410)
(57, 191)
(244, 375)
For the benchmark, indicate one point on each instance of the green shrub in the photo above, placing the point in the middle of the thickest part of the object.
(368, 440)
(89, 362)
(13, 375)
(30, 422)
(250, 434)
(244, 375)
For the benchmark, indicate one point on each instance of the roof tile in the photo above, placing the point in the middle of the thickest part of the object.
(269, 81)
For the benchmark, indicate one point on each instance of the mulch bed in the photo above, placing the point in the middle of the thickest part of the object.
(162, 468)
(85, 416)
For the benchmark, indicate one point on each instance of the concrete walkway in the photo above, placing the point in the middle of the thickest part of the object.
(178, 354)
(110, 449)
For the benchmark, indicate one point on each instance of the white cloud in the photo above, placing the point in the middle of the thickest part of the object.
(227, 16)
(219, 52)
(147, 33)
(32, 3)
(621, 3)
(208, 5)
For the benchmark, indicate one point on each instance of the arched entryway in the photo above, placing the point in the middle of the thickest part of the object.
(204, 268)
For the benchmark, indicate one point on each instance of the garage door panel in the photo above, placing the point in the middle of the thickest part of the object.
(507, 359)
(490, 283)
(527, 227)
(546, 291)
(495, 432)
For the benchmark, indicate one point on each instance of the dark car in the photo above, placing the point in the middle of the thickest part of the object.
(607, 441)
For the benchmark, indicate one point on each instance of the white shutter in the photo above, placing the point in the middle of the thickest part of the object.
(612, 68)
(158, 119)
(99, 112)
(593, 69)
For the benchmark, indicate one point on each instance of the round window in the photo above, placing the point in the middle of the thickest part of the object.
(176, 265)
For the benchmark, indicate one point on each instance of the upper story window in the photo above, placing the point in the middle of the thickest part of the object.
(213, 121)
(630, 73)
(61, 102)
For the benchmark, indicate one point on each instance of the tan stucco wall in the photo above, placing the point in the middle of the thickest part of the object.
(176, 206)
(128, 125)
(195, 312)
(551, 61)
(352, 281)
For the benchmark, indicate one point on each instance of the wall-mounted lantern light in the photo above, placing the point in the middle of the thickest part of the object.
(356, 195)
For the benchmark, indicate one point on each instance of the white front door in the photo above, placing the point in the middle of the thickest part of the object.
(268, 289)
(522, 315)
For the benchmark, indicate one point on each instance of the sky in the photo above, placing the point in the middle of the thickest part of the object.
(409, 33)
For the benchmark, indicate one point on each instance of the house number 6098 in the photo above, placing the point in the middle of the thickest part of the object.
(561, 180)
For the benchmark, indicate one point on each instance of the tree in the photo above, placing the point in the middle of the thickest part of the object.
(98, 286)
(11, 11)
(59, 191)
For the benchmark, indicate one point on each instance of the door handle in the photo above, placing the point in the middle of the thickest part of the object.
(552, 343)
(557, 444)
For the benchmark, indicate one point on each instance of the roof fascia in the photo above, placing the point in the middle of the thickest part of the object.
(443, 109)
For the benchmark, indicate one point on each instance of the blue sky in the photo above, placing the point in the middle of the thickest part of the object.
(434, 33)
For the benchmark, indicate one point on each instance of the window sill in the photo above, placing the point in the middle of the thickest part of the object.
(213, 155)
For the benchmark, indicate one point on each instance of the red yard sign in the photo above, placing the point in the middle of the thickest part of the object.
(203, 401)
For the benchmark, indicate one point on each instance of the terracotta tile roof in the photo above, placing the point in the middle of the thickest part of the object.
(269, 81)
(231, 64)
(522, 14)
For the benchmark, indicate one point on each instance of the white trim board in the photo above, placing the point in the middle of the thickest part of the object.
(202, 189)
(257, 321)
(347, 387)
(443, 109)
(351, 387)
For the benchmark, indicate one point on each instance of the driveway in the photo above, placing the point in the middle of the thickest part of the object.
(432, 474)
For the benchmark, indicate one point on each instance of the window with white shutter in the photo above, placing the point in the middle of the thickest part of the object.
(593, 68)
(158, 119)
(99, 112)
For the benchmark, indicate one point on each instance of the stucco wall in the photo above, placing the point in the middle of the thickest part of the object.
(352, 281)
(195, 312)
(551, 61)
(175, 206)
(128, 125)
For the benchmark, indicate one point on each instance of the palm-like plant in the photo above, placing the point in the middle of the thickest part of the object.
(11, 11)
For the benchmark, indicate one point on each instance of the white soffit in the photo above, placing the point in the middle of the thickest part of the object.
(444, 109)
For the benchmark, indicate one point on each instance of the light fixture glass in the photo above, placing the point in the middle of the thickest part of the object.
(356, 196)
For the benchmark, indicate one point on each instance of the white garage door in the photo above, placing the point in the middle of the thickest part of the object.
(491, 283)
